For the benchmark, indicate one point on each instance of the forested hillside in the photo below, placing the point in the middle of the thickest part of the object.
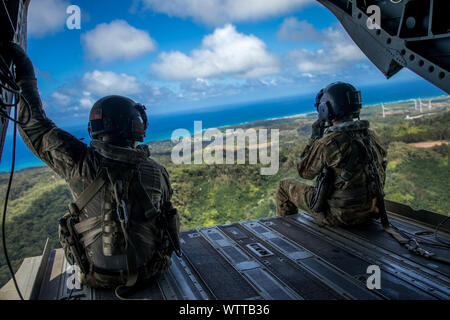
(216, 194)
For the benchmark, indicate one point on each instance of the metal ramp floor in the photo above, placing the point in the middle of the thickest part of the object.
(281, 259)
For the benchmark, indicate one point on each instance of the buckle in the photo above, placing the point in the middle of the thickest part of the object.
(122, 213)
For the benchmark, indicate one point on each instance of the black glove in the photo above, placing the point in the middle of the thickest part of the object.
(24, 66)
(318, 128)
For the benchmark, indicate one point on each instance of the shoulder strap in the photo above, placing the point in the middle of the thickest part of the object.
(409, 243)
(86, 196)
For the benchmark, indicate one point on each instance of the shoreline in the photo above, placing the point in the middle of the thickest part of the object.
(296, 115)
(305, 114)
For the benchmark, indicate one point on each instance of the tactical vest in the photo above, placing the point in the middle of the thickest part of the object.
(115, 232)
(351, 198)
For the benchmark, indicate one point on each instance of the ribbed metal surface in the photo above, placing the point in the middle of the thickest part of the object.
(281, 258)
(291, 274)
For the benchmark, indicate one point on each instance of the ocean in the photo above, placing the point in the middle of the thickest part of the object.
(162, 125)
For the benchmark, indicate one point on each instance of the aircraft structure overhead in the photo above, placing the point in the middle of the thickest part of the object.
(413, 34)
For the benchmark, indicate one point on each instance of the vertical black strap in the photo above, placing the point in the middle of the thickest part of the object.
(366, 145)
(121, 208)
(167, 216)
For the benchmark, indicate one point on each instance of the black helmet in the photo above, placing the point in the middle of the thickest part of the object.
(118, 116)
(337, 101)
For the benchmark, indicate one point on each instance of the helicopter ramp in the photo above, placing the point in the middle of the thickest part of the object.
(276, 258)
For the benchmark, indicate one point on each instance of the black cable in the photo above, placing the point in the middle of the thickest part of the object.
(419, 250)
(5, 115)
(5, 207)
(14, 91)
(14, 88)
(436, 232)
(9, 105)
(421, 240)
(8, 78)
(5, 77)
(11, 175)
(9, 17)
(11, 86)
(5, 69)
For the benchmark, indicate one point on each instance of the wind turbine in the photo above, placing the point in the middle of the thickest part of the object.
(384, 109)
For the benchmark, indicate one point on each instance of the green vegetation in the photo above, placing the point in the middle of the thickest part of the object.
(217, 194)
(38, 199)
(421, 129)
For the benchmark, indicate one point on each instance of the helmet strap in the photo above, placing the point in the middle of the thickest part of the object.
(117, 141)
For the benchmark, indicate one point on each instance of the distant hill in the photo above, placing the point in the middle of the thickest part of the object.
(217, 194)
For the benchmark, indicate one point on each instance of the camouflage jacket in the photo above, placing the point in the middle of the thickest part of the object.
(79, 164)
(351, 201)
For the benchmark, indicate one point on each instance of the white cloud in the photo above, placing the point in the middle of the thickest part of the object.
(337, 49)
(46, 17)
(61, 99)
(101, 83)
(86, 101)
(294, 30)
(224, 52)
(116, 41)
(217, 12)
(79, 95)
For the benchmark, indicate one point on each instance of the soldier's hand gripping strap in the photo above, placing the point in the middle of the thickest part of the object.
(71, 244)
(324, 184)
(169, 219)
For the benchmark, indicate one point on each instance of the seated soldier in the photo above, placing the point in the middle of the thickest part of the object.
(121, 228)
(348, 159)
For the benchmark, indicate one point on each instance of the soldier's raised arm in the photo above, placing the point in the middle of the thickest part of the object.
(311, 159)
(57, 148)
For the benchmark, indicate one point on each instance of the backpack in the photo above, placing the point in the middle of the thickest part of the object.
(77, 233)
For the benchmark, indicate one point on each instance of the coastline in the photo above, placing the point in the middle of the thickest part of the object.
(39, 163)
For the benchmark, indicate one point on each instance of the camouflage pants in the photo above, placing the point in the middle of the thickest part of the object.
(293, 194)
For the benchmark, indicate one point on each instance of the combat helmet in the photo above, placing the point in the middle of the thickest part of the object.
(337, 101)
(118, 116)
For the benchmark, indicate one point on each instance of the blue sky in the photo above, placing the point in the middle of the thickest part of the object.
(187, 54)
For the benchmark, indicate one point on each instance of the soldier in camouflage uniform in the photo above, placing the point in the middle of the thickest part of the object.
(345, 148)
(123, 227)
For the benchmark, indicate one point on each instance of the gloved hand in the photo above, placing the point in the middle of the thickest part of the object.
(24, 66)
(318, 127)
